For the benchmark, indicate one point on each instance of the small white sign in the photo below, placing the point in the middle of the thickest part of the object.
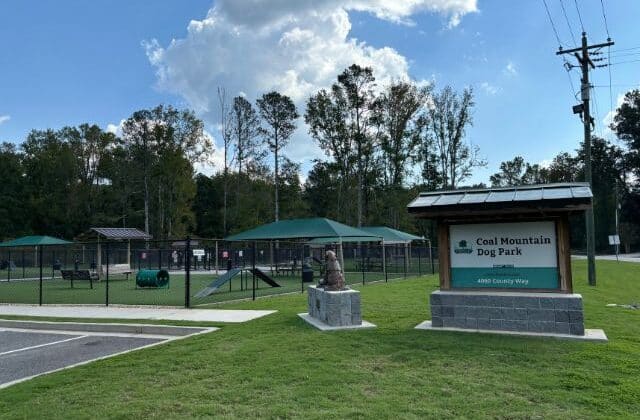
(240, 254)
(198, 252)
(614, 239)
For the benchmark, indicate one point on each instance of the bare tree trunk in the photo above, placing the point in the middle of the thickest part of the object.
(277, 207)
(146, 204)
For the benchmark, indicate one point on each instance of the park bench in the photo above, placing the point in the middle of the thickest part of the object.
(72, 275)
(118, 269)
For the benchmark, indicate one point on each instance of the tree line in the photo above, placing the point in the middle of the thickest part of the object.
(382, 146)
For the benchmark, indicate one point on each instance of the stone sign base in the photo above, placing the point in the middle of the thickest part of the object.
(334, 309)
(551, 313)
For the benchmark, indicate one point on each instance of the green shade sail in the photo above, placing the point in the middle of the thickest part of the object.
(378, 233)
(390, 235)
(34, 241)
(301, 229)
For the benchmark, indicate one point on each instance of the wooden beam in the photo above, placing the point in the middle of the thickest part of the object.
(444, 265)
(564, 254)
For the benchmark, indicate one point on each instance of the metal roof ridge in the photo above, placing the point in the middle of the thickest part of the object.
(513, 188)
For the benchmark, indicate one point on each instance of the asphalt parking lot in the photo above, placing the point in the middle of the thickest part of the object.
(30, 349)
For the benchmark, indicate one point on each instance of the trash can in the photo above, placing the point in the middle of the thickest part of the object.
(152, 278)
(307, 273)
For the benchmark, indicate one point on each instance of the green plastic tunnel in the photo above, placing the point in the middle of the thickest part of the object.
(152, 278)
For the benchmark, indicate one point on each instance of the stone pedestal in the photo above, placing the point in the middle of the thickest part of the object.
(551, 313)
(339, 308)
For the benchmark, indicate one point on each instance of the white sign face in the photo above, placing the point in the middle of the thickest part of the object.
(504, 255)
(614, 240)
(240, 253)
(198, 252)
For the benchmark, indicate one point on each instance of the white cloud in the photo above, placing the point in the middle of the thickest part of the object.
(4, 118)
(510, 69)
(295, 47)
(490, 89)
(608, 119)
(116, 128)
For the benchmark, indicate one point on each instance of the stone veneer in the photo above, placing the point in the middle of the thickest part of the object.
(508, 311)
(335, 308)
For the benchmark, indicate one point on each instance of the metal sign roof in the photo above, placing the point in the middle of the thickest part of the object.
(121, 233)
(525, 198)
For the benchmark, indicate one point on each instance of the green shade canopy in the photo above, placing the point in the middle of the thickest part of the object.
(34, 241)
(378, 234)
(390, 235)
(301, 229)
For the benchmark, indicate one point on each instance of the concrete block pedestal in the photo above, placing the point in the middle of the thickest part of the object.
(333, 310)
(548, 314)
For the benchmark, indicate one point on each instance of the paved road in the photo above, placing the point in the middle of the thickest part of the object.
(635, 258)
(24, 354)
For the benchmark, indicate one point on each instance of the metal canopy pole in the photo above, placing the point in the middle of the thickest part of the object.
(384, 262)
(107, 275)
(40, 255)
(187, 273)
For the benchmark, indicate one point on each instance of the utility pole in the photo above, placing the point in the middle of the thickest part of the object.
(587, 120)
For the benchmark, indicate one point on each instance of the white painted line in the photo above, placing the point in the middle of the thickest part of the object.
(43, 345)
(98, 333)
(17, 381)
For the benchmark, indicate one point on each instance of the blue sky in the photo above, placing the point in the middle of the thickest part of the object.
(68, 62)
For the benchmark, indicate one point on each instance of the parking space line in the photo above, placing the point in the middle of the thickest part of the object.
(157, 340)
(43, 345)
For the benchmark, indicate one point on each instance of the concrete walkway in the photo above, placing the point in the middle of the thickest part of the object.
(120, 312)
(635, 257)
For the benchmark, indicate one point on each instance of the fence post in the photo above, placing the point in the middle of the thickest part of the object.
(362, 262)
(433, 268)
(23, 267)
(40, 298)
(159, 257)
(253, 263)
(419, 263)
(405, 262)
(187, 272)
(9, 265)
(106, 299)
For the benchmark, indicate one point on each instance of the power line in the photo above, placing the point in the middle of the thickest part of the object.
(604, 16)
(566, 18)
(626, 54)
(623, 62)
(579, 17)
(625, 49)
(606, 27)
(553, 26)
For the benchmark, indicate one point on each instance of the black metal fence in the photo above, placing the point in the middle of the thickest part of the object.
(127, 273)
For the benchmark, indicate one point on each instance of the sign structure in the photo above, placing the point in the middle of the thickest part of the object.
(614, 240)
(504, 255)
(198, 252)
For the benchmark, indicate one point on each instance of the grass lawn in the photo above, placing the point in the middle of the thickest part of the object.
(278, 366)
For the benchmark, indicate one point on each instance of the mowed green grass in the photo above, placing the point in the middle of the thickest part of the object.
(280, 367)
